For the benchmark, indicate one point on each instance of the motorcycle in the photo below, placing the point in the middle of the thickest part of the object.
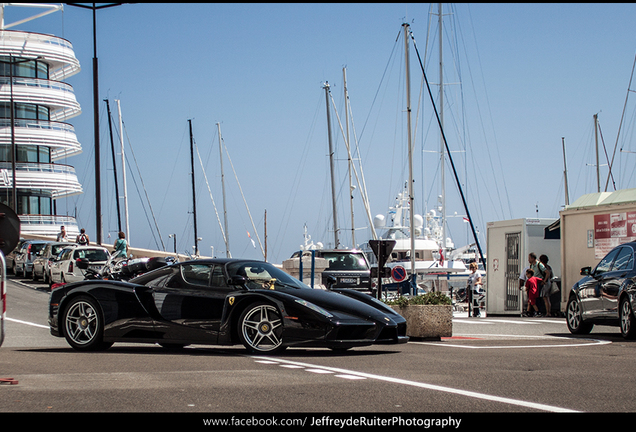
(122, 268)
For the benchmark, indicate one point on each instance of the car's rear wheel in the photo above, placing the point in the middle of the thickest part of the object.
(628, 324)
(574, 318)
(84, 325)
(261, 329)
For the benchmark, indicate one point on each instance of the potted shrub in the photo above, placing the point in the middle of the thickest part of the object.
(428, 316)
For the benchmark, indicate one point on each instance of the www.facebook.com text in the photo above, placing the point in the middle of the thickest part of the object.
(338, 422)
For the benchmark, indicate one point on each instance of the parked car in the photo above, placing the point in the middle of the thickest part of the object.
(23, 264)
(10, 258)
(605, 295)
(64, 268)
(42, 262)
(349, 267)
(220, 302)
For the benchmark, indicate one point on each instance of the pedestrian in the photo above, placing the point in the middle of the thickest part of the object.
(82, 238)
(536, 266)
(474, 280)
(546, 290)
(121, 246)
(61, 236)
(532, 288)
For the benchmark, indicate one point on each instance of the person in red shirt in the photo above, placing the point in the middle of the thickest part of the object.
(532, 287)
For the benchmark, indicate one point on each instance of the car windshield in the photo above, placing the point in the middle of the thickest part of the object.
(345, 261)
(263, 275)
(37, 247)
(56, 249)
(91, 254)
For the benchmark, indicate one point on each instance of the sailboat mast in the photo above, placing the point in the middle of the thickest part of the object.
(123, 168)
(227, 233)
(441, 139)
(194, 197)
(598, 162)
(331, 165)
(565, 173)
(346, 97)
(112, 149)
(410, 144)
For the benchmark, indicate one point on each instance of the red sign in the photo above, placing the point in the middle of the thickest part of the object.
(398, 273)
(613, 229)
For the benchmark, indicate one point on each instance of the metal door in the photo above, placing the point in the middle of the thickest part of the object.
(513, 269)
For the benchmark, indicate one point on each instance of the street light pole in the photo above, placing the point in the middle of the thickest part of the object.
(98, 185)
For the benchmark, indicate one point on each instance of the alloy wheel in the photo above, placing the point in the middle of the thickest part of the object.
(261, 328)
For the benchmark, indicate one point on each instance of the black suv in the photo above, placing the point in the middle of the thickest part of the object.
(349, 267)
(605, 295)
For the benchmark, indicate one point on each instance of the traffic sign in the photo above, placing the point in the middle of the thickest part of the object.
(398, 273)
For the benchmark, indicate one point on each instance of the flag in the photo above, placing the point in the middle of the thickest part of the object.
(466, 219)
(252, 240)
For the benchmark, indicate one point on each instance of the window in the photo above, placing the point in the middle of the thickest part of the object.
(219, 280)
(606, 262)
(196, 274)
(624, 260)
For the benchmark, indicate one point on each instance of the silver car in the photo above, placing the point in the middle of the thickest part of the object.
(23, 264)
(64, 268)
(42, 262)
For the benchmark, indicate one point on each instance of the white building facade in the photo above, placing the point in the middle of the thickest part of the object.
(33, 70)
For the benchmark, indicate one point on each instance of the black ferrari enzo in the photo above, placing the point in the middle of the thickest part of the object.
(219, 302)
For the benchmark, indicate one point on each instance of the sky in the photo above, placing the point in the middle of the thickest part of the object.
(522, 82)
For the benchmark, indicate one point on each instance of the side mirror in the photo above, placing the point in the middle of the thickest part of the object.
(237, 280)
(331, 281)
(82, 263)
(586, 271)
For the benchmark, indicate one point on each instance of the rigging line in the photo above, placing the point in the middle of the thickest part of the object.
(243, 196)
(450, 158)
(489, 110)
(606, 157)
(287, 213)
(355, 171)
(210, 192)
(163, 247)
(621, 124)
(388, 63)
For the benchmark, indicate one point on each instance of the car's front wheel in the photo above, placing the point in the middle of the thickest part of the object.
(261, 329)
(84, 325)
(574, 317)
(628, 324)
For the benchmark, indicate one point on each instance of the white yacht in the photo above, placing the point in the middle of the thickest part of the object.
(33, 68)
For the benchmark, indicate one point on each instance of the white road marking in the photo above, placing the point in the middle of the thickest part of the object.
(509, 401)
(27, 323)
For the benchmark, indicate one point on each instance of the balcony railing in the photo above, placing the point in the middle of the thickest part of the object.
(47, 225)
(60, 137)
(56, 94)
(60, 179)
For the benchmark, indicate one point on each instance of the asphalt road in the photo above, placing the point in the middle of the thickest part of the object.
(490, 365)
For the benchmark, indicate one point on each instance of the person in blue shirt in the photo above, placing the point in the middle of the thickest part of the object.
(121, 246)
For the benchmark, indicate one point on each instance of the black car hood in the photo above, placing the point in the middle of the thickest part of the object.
(335, 302)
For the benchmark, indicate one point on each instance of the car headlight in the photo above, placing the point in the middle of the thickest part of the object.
(314, 308)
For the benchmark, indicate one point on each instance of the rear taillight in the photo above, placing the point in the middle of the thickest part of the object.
(29, 252)
(70, 267)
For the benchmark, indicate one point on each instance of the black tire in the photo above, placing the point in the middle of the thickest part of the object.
(628, 323)
(83, 325)
(261, 329)
(574, 318)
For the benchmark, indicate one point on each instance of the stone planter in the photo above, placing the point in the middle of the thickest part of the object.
(427, 321)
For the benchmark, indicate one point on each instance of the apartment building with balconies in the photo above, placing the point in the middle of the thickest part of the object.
(33, 70)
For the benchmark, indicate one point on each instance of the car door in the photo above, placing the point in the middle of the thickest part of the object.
(590, 291)
(613, 280)
(58, 263)
(190, 308)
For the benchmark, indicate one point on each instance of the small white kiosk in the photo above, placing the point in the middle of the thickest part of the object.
(508, 244)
